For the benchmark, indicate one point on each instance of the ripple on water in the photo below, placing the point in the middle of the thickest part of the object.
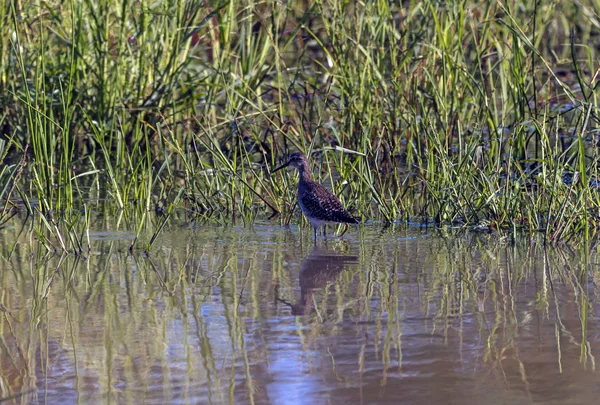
(388, 316)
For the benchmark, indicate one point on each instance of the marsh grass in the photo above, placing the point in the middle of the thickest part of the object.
(473, 114)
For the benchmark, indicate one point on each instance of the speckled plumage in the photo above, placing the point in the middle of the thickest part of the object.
(318, 204)
(321, 205)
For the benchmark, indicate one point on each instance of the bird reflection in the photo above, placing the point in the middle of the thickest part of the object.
(319, 268)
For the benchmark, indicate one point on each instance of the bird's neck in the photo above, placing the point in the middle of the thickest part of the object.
(305, 174)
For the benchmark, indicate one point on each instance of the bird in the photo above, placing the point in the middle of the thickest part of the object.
(317, 203)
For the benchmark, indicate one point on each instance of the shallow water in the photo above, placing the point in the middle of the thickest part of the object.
(258, 315)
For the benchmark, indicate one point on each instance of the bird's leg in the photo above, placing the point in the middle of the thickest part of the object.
(315, 228)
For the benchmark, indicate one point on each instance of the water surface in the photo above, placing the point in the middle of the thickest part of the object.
(259, 315)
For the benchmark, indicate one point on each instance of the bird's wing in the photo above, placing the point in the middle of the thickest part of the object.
(323, 205)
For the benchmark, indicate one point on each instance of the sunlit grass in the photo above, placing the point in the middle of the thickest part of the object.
(471, 114)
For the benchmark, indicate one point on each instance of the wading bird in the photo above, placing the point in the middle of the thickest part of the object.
(318, 204)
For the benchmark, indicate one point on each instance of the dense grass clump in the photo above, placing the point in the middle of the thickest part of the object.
(477, 114)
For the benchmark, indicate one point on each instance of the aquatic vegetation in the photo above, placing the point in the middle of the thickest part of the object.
(472, 114)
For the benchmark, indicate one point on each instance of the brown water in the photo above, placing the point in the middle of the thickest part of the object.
(257, 315)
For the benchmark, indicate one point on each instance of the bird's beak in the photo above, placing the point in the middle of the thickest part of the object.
(281, 167)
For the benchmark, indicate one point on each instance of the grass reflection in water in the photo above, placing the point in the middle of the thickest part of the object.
(202, 320)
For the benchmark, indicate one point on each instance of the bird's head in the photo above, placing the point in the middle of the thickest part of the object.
(297, 160)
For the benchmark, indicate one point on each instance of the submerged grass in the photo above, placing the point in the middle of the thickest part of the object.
(475, 114)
